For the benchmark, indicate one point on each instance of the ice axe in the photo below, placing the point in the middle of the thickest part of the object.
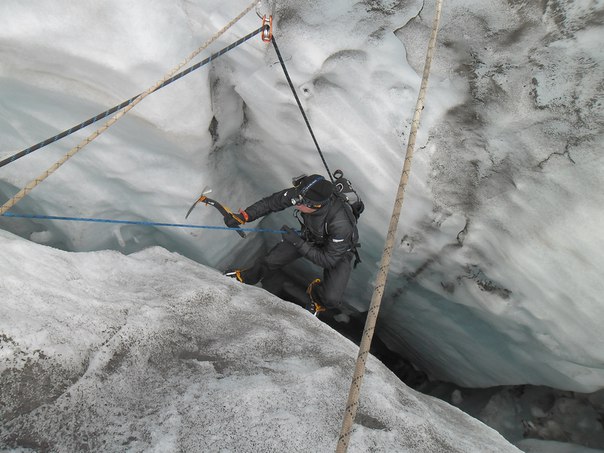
(221, 208)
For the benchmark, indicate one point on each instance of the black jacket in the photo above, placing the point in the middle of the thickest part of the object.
(329, 233)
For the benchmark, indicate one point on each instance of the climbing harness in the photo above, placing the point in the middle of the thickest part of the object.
(135, 222)
(221, 208)
(118, 107)
(355, 387)
(34, 183)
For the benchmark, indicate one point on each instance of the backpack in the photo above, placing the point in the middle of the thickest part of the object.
(345, 190)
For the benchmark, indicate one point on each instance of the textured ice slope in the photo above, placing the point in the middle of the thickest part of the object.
(105, 352)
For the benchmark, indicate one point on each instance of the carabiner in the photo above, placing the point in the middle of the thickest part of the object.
(267, 28)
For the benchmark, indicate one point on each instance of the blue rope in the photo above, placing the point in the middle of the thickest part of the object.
(133, 222)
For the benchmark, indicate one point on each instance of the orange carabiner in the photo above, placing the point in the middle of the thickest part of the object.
(267, 25)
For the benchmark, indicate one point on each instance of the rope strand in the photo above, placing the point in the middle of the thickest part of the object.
(291, 85)
(112, 110)
(34, 183)
(136, 222)
(355, 387)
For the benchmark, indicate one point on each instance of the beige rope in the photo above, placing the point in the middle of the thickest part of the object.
(355, 387)
(32, 184)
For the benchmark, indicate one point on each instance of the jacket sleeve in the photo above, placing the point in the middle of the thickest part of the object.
(338, 243)
(273, 203)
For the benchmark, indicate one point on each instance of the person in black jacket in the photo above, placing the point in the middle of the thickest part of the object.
(329, 237)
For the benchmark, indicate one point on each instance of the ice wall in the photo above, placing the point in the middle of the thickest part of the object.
(495, 280)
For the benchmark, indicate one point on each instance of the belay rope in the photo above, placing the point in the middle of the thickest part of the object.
(355, 387)
(32, 184)
(291, 86)
(143, 223)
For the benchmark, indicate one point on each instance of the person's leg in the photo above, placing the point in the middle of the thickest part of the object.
(281, 254)
(330, 290)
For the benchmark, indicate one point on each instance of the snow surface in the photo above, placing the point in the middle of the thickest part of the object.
(154, 352)
(497, 277)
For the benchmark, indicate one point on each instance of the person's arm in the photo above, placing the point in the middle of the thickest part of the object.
(273, 203)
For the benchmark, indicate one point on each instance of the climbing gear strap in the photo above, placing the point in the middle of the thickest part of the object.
(32, 184)
(355, 386)
(357, 257)
(245, 215)
(291, 85)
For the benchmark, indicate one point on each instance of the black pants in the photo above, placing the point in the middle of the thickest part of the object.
(329, 293)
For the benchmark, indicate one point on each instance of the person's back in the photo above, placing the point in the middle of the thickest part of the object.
(330, 228)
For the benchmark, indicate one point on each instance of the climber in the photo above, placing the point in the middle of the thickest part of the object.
(329, 238)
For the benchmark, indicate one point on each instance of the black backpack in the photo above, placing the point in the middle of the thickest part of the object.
(345, 190)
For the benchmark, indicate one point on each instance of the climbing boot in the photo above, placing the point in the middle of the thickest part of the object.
(313, 305)
(235, 274)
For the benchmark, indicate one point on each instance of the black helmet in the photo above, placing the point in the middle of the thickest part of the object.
(313, 191)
